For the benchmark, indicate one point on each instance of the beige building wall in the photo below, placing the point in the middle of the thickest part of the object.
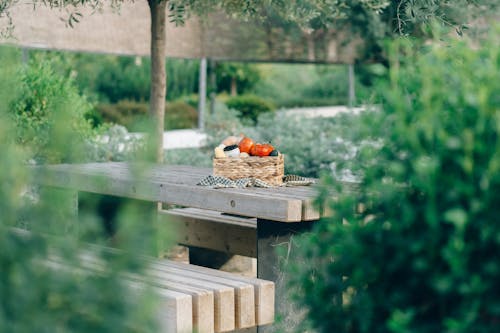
(126, 32)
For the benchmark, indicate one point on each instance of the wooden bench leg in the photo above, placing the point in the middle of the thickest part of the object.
(275, 248)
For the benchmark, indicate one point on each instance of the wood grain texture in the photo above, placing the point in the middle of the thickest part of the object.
(174, 186)
(211, 230)
(244, 301)
(224, 308)
(263, 289)
(174, 310)
(212, 312)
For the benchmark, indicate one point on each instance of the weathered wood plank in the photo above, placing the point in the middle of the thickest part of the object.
(174, 312)
(203, 302)
(225, 200)
(264, 290)
(244, 302)
(309, 210)
(211, 230)
(224, 297)
(213, 303)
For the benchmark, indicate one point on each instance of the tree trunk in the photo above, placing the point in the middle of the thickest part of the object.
(158, 91)
(234, 87)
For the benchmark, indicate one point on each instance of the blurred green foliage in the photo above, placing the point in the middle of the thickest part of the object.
(179, 114)
(299, 85)
(249, 106)
(126, 112)
(189, 156)
(312, 146)
(115, 143)
(236, 78)
(42, 285)
(221, 124)
(119, 86)
(48, 102)
(132, 114)
(115, 78)
(421, 254)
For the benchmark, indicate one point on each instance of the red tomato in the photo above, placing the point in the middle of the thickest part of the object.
(246, 145)
(261, 150)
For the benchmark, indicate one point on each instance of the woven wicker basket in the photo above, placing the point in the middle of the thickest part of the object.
(269, 169)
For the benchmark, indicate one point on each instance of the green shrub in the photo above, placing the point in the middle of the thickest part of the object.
(249, 106)
(126, 113)
(306, 85)
(132, 115)
(115, 143)
(311, 146)
(47, 108)
(189, 156)
(117, 78)
(94, 118)
(37, 295)
(191, 99)
(221, 124)
(123, 78)
(302, 102)
(235, 77)
(331, 82)
(179, 114)
(422, 256)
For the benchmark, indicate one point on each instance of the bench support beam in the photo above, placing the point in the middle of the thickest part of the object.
(275, 249)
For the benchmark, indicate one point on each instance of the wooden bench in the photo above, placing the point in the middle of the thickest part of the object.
(194, 298)
(282, 213)
(212, 230)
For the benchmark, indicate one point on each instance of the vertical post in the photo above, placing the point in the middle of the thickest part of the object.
(352, 92)
(275, 249)
(202, 93)
(213, 86)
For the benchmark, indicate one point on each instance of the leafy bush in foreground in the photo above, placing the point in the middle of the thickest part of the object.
(47, 105)
(422, 255)
(36, 293)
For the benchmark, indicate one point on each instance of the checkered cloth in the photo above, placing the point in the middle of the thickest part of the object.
(294, 180)
(223, 182)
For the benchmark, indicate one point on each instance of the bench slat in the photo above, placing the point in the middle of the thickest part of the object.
(174, 311)
(157, 185)
(263, 289)
(224, 296)
(244, 296)
(213, 304)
